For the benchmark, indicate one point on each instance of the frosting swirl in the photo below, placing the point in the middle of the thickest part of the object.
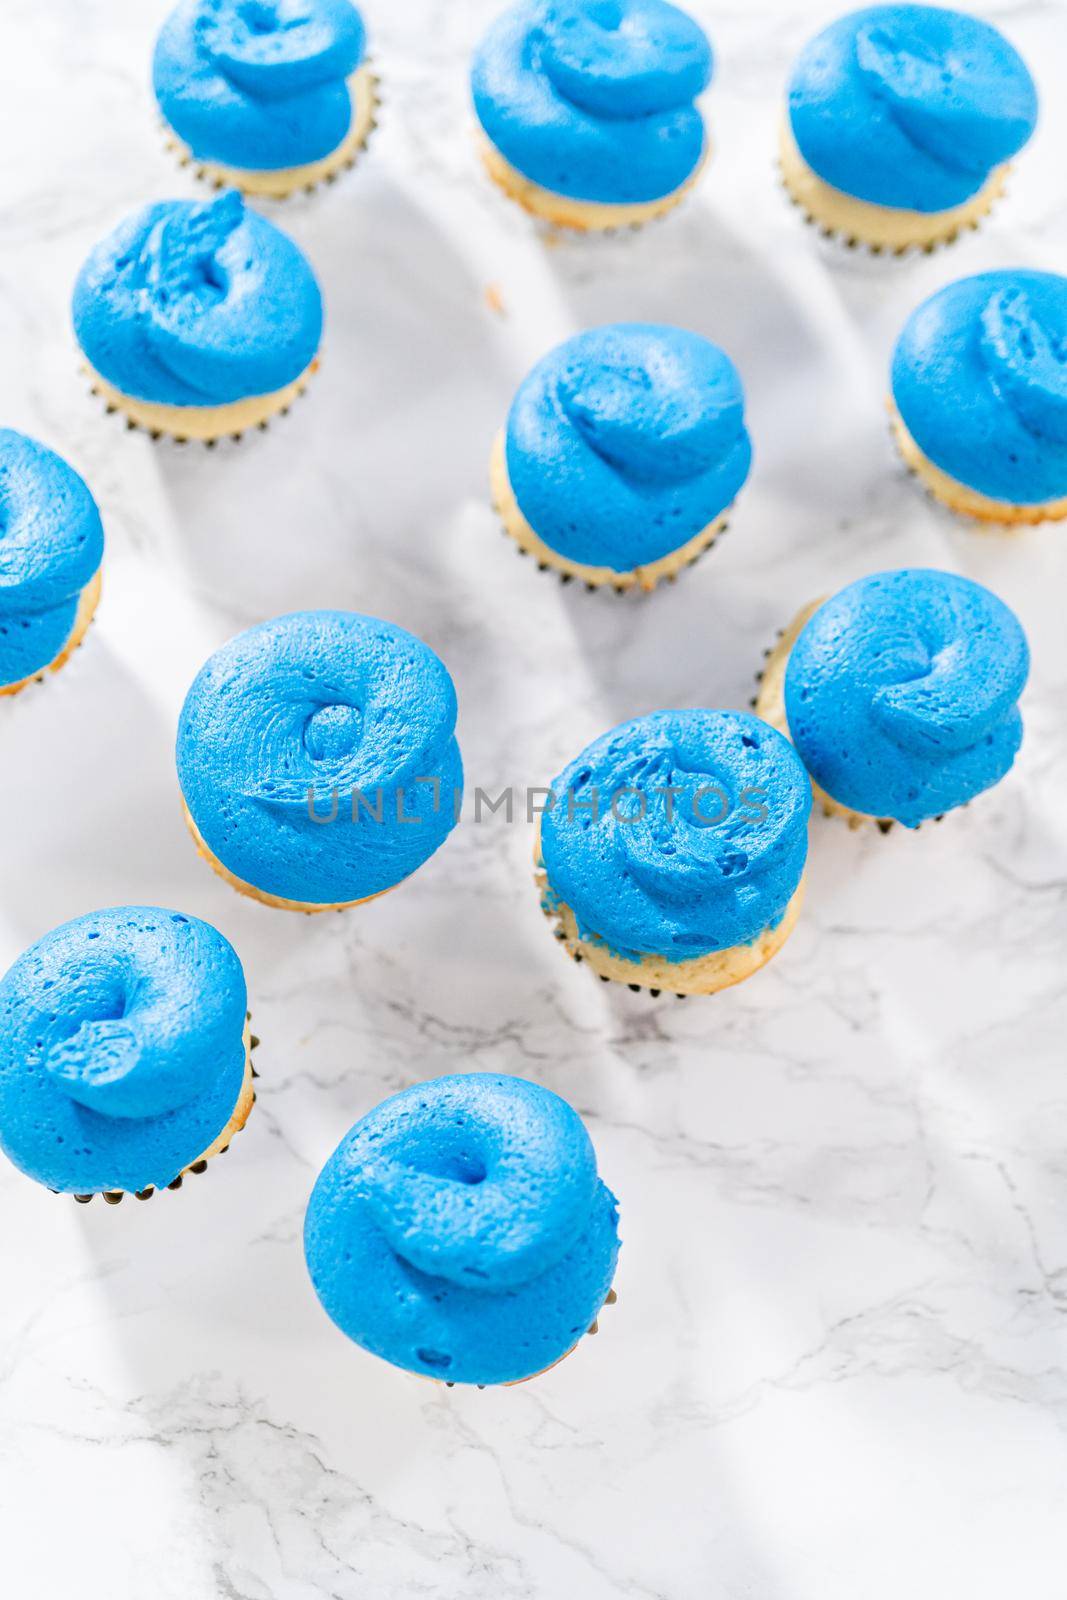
(121, 1049)
(626, 441)
(678, 833)
(259, 84)
(901, 693)
(910, 106)
(460, 1230)
(317, 755)
(192, 304)
(594, 98)
(51, 546)
(979, 377)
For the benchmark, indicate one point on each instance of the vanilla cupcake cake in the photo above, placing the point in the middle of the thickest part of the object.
(51, 548)
(622, 455)
(587, 108)
(460, 1231)
(318, 761)
(979, 396)
(125, 1053)
(198, 321)
(900, 694)
(672, 850)
(900, 124)
(265, 96)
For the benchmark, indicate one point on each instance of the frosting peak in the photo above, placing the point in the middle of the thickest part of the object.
(626, 441)
(184, 256)
(461, 1230)
(910, 106)
(651, 405)
(678, 833)
(259, 84)
(1027, 362)
(277, 48)
(51, 545)
(121, 1049)
(124, 1057)
(594, 98)
(198, 304)
(623, 60)
(937, 90)
(902, 693)
(979, 377)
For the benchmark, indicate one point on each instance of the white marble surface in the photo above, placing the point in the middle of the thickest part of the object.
(837, 1369)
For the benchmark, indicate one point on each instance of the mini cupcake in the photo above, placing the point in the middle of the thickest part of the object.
(622, 454)
(979, 405)
(460, 1231)
(587, 108)
(901, 122)
(900, 694)
(198, 320)
(265, 96)
(125, 1055)
(51, 547)
(317, 759)
(672, 850)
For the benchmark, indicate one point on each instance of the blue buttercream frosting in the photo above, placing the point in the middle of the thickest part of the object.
(190, 304)
(626, 441)
(901, 693)
(121, 1049)
(678, 833)
(460, 1230)
(979, 378)
(51, 546)
(353, 712)
(910, 106)
(593, 99)
(259, 84)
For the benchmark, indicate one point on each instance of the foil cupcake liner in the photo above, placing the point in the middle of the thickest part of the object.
(560, 935)
(618, 588)
(853, 242)
(162, 436)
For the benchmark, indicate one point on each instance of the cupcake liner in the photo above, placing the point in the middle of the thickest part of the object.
(217, 176)
(578, 950)
(853, 240)
(693, 974)
(560, 216)
(114, 1197)
(271, 901)
(632, 588)
(642, 580)
(983, 514)
(90, 599)
(578, 958)
(115, 404)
